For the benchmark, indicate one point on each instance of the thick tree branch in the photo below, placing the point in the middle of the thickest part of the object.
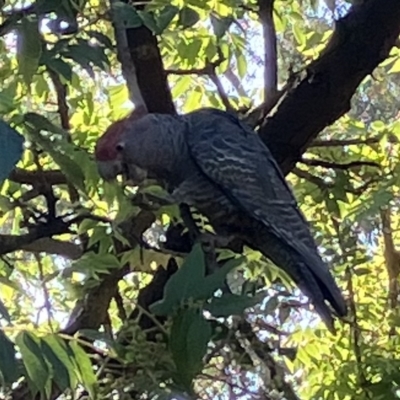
(360, 42)
(53, 246)
(33, 178)
(10, 243)
(127, 64)
(150, 73)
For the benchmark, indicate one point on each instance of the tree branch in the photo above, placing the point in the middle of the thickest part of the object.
(127, 64)
(392, 260)
(150, 73)
(335, 165)
(10, 243)
(266, 9)
(361, 40)
(53, 246)
(344, 142)
(53, 177)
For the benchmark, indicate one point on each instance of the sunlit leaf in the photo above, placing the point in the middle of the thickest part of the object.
(86, 374)
(29, 48)
(33, 360)
(167, 14)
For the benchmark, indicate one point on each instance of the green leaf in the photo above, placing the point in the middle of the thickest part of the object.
(86, 54)
(231, 304)
(149, 21)
(52, 350)
(11, 147)
(190, 334)
(220, 25)
(32, 357)
(101, 38)
(29, 48)
(181, 86)
(71, 169)
(126, 15)
(61, 350)
(96, 263)
(216, 280)
(395, 67)
(190, 282)
(4, 312)
(167, 14)
(85, 369)
(8, 363)
(194, 100)
(299, 34)
(241, 65)
(182, 284)
(7, 102)
(61, 67)
(86, 225)
(42, 123)
(188, 17)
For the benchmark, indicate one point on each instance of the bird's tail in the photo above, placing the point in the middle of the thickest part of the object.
(309, 272)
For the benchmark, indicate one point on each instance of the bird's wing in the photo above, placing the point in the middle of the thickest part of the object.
(234, 157)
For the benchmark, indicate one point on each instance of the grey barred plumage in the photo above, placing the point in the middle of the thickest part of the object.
(216, 163)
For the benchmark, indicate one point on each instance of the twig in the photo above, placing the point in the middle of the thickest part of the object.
(344, 142)
(61, 92)
(256, 116)
(392, 261)
(254, 347)
(209, 70)
(221, 91)
(46, 295)
(355, 331)
(120, 306)
(342, 166)
(235, 82)
(316, 180)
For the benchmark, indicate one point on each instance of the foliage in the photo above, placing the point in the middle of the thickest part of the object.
(75, 275)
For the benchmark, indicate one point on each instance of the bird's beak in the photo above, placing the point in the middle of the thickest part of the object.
(134, 175)
(109, 170)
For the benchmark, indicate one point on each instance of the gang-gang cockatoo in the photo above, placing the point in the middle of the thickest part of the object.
(217, 164)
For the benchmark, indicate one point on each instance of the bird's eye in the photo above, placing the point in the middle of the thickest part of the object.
(119, 147)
